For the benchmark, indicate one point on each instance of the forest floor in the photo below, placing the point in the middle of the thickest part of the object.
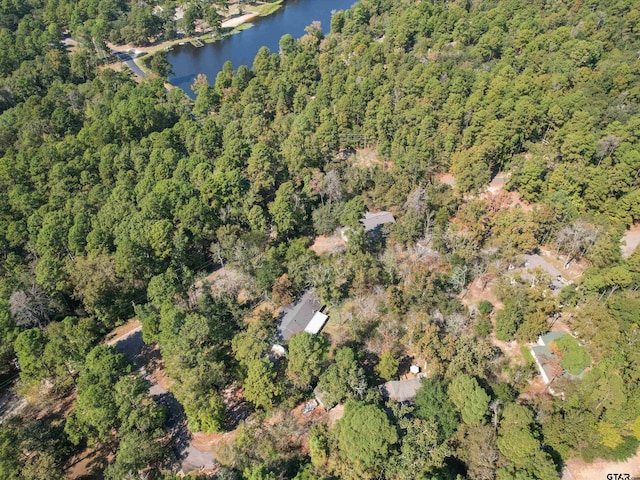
(447, 179)
(328, 244)
(577, 469)
(630, 241)
(10, 402)
(368, 158)
(122, 331)
(87, 464)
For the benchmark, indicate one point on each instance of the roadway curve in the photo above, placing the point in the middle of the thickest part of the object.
(127, 59)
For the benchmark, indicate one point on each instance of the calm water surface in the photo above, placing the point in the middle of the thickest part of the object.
(188, 61)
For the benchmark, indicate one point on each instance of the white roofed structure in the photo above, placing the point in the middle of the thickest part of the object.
(303, 315)
(316, 323)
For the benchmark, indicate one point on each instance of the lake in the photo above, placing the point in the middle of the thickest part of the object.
(188, 61)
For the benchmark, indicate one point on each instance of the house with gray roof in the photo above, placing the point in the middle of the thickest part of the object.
(537, 262)
(373, 222)
(304, 315)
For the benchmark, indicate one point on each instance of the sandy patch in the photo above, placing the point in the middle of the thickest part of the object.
(317, 415)
(475, 292)
(328, 244)
(535, 388)
(234, 22)
(87, 465)
(499, 198)
(447, 179)
(367, 158)
(261, 309)
(206, 441)
(335, 414)
(511, 350)
(630, 241)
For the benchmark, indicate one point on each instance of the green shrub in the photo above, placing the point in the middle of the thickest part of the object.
(485, 307)
(574, 358)
(482, 327)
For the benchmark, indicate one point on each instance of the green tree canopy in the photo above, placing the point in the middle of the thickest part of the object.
(365, 438)
(305, 359)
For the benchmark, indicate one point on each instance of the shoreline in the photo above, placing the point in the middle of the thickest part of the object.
(237, 23)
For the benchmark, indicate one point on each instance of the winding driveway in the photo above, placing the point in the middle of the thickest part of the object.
(188, 455)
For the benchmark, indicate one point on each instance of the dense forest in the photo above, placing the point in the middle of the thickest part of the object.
(119, 198)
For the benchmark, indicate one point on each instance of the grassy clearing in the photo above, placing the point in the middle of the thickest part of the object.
(268, 8)
(238, 29)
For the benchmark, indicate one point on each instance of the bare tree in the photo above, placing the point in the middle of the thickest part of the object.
(494, 406)
(459, 277)
(456, 323)
(30, 307)
(575, 239)
(606, 146)
(332, 186)
(417, 201)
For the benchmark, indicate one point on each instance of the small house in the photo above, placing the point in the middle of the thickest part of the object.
(304, 315)
(548, 361)
(401, 390)
(373, 222)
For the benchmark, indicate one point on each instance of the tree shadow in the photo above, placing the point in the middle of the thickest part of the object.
(176, 424)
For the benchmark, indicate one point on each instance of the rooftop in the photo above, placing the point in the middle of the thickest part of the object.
(549, 337)
(373, 221)
(547, 362)
(401, 390)
(303, 315)
(531, 262)
(316, 323)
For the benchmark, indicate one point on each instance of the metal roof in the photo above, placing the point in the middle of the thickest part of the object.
(316, 323)
(299, 315)
(372, 221)
(550, 337)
